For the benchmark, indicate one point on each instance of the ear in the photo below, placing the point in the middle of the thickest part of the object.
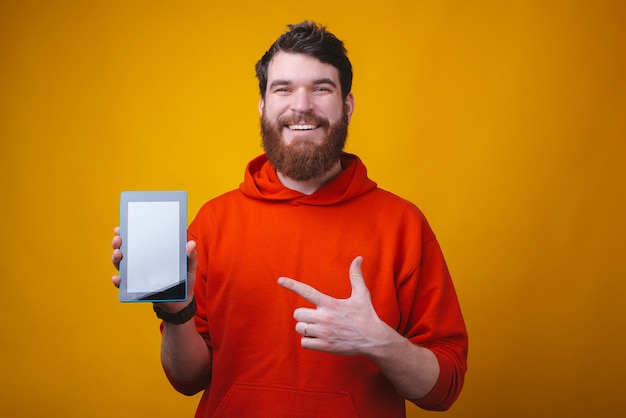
(261, 106)
(349, 103)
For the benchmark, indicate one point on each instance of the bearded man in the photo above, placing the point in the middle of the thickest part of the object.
(315, 293)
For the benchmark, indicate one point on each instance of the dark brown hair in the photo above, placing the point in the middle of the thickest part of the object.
(313, 40)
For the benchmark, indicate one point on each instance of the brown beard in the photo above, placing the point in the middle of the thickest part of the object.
(304, 160)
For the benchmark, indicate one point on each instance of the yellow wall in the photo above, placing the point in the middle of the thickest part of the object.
(503, 120)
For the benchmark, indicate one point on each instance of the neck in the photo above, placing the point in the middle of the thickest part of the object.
(309, 187)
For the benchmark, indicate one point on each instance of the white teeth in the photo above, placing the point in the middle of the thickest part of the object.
(301, 127)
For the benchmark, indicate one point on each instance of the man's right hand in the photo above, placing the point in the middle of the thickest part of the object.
(191, 271)
(117, 255)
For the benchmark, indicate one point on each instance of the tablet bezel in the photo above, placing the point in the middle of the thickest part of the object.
(171, 294)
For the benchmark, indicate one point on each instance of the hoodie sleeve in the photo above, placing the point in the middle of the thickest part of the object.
(434, 320)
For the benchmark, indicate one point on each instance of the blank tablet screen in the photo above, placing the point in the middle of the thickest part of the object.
(153, 231)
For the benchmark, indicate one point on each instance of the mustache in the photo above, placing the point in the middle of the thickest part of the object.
(303, 119)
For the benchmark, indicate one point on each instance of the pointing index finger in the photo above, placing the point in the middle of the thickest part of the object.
(304, 290)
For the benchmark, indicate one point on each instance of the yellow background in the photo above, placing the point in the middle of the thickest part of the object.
(503, 120)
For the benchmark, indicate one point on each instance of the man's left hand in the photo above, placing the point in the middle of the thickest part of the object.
(341, 326)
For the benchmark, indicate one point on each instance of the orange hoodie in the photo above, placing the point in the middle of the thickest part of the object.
(249, 237)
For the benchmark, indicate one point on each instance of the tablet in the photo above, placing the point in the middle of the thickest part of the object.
(153, 228)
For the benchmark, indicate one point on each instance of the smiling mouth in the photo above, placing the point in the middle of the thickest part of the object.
(302, 127)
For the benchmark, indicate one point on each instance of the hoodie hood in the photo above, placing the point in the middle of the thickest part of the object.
(262, 183)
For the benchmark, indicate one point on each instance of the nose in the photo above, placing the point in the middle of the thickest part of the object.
(301, 101)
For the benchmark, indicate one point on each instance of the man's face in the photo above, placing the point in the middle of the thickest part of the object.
(304, 120)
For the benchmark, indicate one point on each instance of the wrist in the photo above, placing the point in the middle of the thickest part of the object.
(179, 317)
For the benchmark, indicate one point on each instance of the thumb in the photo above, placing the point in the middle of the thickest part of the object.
(192, 262)
(356, 278)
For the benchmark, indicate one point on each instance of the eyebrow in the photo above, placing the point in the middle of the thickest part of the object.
(324, 81)
(316, 82)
